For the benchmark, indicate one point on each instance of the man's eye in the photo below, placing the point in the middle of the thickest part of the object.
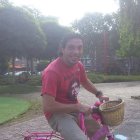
(71, 47)
(80, 47)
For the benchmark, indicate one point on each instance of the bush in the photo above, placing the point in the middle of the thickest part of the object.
(18, 89)
(102, 78)
(96, 78)
(42, 65)
(23, 77)
(35, 80)
(6, 80)
(3, 64)
(121, 78)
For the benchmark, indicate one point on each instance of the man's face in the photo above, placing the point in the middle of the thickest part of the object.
(72, 51)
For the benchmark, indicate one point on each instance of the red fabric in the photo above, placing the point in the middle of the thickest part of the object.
(62, 82)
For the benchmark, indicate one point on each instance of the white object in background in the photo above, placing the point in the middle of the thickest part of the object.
(120, 137)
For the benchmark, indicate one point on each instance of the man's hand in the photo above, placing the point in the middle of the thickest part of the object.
(86, 109)
(101, 97)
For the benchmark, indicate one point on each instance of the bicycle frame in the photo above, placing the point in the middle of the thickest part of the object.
(42, 136)
(103, 131)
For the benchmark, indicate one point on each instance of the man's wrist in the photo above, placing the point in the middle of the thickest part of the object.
(98, 94)
(77, 107)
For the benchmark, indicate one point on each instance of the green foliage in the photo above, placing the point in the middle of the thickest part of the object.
(101, 37)
(6, 80)
(96, 78)
(42, 65)
(29, 84)
(10, 108)
(35, 80)
(121, 78)
(101, 78)
(53, 33)
(18, 89)
(22, 33)
(23, 78)
(129, 28)
(50, 19)
(5, 3)
(3, 65)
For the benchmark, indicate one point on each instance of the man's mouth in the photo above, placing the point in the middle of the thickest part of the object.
(75, 58)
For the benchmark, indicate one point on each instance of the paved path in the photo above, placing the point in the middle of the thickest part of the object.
(130, 127)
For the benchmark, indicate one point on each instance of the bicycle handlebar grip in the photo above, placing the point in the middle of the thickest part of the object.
(95, 109)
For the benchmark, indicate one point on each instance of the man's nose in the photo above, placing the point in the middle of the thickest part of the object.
(76, 50)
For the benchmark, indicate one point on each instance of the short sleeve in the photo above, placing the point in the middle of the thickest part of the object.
(49, 83)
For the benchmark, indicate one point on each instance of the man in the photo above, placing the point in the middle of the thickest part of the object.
(60, 86)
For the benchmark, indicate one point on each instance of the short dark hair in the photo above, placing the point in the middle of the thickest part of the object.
(69, 37)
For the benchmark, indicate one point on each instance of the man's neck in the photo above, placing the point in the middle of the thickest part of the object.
(67, 64)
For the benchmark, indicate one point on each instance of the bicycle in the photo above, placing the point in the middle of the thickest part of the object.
(103, 131)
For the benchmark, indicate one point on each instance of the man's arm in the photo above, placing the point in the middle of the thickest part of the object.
(50, 105)
(88, 85)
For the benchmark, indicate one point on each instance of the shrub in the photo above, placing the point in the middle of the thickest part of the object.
(23, 77)
(95, 78)
(35, 80)
(42, 65)
(18, 89)
(103, 78)
(6, 80)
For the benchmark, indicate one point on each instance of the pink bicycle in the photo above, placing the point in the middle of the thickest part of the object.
(104, 130)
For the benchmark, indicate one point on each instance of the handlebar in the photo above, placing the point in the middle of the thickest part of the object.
(95, 110)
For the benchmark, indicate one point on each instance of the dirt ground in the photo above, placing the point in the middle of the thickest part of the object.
(35, 121)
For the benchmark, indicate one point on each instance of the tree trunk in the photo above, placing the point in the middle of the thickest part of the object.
(32, 66)
(130, 65)
(27, 64)
(13, 69)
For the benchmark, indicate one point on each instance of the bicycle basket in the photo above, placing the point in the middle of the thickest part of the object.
(112, 112)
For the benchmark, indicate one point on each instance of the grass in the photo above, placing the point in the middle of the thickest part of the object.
(10, 108)
(104, 78)
(18, 89)
(122, 78)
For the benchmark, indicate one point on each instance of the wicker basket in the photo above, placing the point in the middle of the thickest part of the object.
(112, 112)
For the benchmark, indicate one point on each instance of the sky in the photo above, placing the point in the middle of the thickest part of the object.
(69, 10)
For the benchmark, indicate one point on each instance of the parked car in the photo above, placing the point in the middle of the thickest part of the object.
(22, 72)
(23, 76)
(8, 73)
(17, 73)
(39, 73)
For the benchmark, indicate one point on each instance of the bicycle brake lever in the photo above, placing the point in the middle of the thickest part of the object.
(95, 109)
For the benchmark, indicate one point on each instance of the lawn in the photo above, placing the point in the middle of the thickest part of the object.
(10, 108)
(18, 89)
(104, 78)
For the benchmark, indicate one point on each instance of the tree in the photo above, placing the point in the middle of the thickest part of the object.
(97, 30)
(129, 31)
(54, 33)
(5, 3)
(20, 34)
(42, 65)
(3, 65)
